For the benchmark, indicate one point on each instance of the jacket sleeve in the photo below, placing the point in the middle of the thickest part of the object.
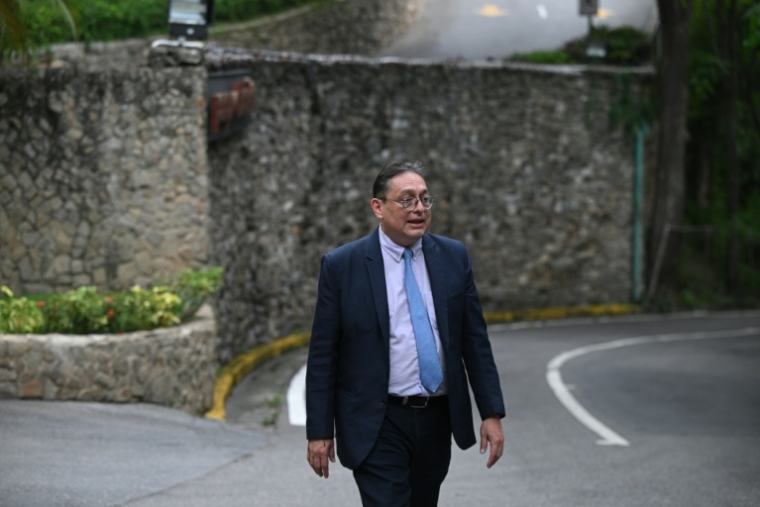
(477, 353)
(323, 354)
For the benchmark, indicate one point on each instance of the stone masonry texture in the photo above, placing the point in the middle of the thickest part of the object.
(359, 27)
(106, 178)
(102, 176)
(526, 165)
(172, 366)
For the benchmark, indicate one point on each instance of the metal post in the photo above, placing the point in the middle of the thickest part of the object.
(638, 191)
(658, 262)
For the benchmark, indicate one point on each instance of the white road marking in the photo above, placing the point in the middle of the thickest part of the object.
(562, 391)
(297, 398)
(542, 12)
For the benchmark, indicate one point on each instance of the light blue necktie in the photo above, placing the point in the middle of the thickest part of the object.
(430, 366)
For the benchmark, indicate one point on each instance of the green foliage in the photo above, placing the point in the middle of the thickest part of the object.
(241, 10)
(84, 311)
(271, 419)
(706, 71)
(194, 287)
(50, 21)
(545, 57)
(624, 45)
(716, 62)
(102, 20)
(78, 311)
(157, 307)
(752, 41)
(19, 315)
(275, 401)
(627, 109)
(24, 25)
(274, 404)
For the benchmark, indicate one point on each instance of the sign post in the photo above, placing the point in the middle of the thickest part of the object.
(588, 8)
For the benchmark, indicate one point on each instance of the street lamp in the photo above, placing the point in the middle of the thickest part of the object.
(188, 22)
(189, 19)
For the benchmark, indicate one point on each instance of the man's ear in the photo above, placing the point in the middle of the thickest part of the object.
(377, 207)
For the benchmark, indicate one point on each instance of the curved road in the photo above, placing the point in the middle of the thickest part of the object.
(478, 29)
(683, 392)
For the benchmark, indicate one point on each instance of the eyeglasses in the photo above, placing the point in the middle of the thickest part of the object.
(410, 203)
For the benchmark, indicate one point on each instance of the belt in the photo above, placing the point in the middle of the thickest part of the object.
(417, 401)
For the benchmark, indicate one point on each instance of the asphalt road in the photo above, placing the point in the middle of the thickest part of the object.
(478, 29)
(683, 393)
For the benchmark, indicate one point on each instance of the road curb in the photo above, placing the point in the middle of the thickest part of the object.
(561, 313)
(244, 363)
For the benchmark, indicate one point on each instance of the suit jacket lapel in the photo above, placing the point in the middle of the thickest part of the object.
(437, 276)
(376, 272)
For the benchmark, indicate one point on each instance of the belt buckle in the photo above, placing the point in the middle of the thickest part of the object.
(411, 405)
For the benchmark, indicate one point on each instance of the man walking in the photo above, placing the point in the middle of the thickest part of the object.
(398, 331)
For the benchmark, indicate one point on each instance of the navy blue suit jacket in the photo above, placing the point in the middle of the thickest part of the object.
(348, 368)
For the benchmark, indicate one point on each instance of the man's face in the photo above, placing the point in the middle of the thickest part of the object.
(402, 226)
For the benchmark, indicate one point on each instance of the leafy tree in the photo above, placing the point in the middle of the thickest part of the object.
(673, 100)
(15, 36)
(724, 166)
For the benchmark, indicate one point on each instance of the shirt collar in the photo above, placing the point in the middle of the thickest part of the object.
(397, 251)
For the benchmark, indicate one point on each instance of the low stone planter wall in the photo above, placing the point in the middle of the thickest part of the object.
(171, 366)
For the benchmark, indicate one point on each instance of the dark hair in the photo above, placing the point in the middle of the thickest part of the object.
(391, 171)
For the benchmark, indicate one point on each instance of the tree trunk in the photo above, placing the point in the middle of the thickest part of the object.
(673, 107)
(734, 169)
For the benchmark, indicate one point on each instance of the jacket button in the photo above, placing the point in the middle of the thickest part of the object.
(384, 401)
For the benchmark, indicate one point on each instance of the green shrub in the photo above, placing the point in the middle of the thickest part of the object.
(102, 20)
(624, 45)
(19, 315)
(194, 287)
(84, 311)
(549, 57)
(78, 311)
(157, 307)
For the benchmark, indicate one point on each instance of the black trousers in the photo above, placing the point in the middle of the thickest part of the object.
(410, 459)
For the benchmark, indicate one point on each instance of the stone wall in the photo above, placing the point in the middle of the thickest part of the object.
(337, 27)
(334, 27)
(171, 366)
(102, 176)
(525, 163)
(103, 161)
(105, 178)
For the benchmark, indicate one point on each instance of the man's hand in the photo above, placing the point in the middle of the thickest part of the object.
(491, 432)
(317, 454)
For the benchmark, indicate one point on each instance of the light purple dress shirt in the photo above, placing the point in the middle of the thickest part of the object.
(405, 367)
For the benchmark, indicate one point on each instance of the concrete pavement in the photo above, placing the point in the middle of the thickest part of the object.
(139, 455)
(75, 454)
(96, 454)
